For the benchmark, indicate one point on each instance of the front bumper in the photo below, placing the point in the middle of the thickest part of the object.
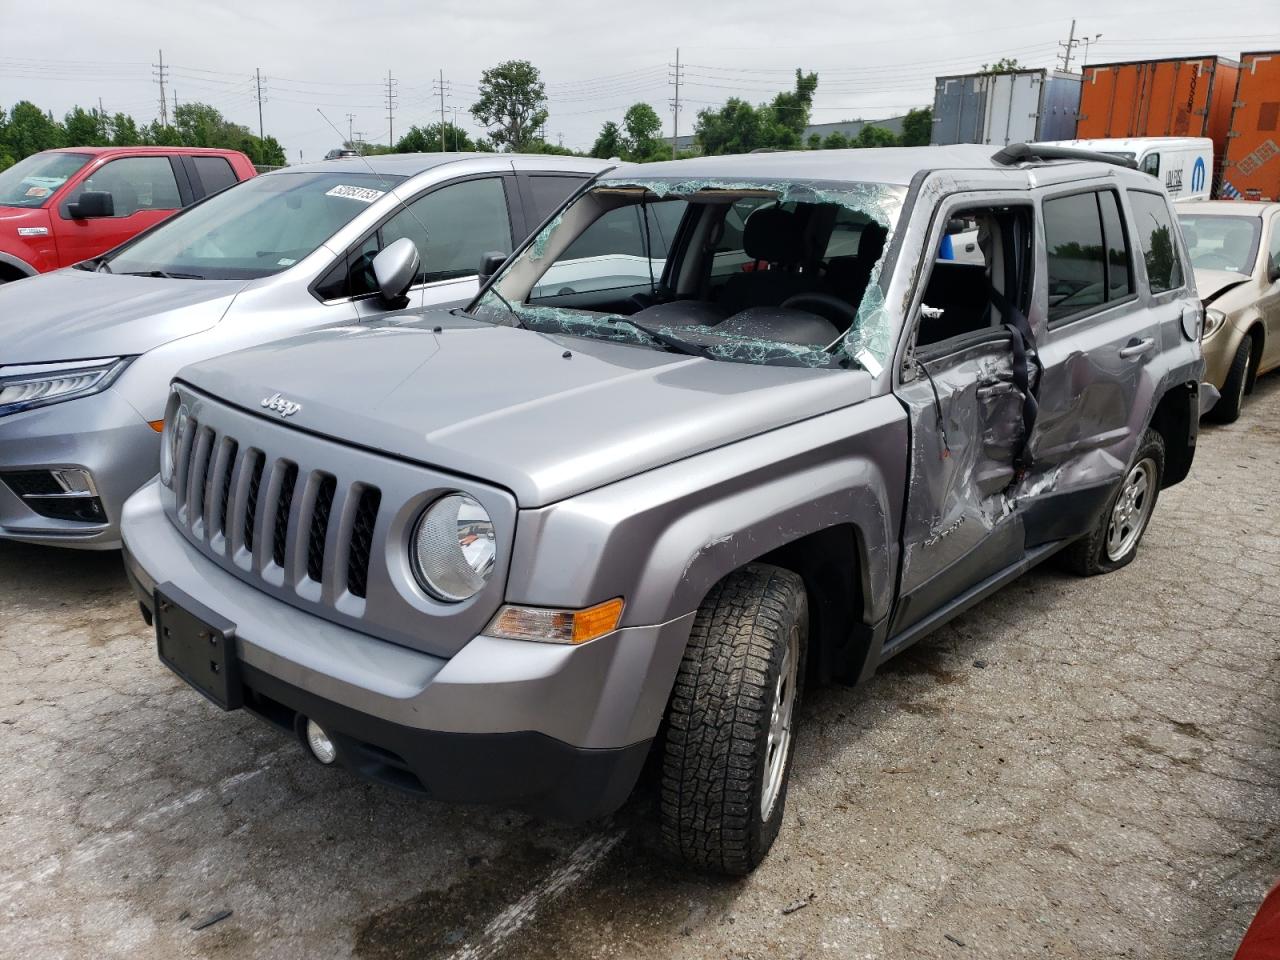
(562, 731)
(102, 434)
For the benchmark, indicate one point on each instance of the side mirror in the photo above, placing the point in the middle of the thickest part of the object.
(956, 225)
(489, 264)
(395, 269)
(92, 205)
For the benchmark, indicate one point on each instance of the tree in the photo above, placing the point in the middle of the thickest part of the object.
(917, 128)
(1003, 65)
(734, 128)
(31, 130)
(873, 136)
(835, 141)
(512, 103)
(815, 141)
(609, 143)
(85, 128)
(124, 132)
(642, 125)
(789, 112)
(427, 139)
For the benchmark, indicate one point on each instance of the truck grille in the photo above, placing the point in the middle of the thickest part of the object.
(267, 516)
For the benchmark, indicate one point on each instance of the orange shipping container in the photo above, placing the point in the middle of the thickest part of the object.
(1252, 169)
(1185, 97)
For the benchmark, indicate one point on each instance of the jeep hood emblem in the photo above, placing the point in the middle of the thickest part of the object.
(286, 408)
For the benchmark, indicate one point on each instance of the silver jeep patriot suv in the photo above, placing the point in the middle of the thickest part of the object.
(719, 429)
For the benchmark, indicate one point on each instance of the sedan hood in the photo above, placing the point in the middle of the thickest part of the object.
(75, 314)
(543, 416)
(1212, 284)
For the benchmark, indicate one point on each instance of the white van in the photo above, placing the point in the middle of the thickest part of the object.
(1183, 164)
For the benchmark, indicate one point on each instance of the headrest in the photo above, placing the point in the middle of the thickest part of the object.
(773, 235)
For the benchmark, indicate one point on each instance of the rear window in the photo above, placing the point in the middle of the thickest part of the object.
(1156, 238)
(31, 182)
(1087, 252)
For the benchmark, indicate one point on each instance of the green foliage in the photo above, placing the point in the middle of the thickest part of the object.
(917, 128)
(835, 141)
(1003, 65)
(739, 127)
(512, 103)
(814, 142)
(609, 143)
(872, 136)
(29, 130)
(643, 127)
(427, 139)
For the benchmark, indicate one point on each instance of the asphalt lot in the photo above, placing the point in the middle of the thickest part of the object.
(1073, 769)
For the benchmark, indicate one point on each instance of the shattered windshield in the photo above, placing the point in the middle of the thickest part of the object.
(759, 271)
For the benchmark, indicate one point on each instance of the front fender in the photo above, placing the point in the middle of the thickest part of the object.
(662, 539)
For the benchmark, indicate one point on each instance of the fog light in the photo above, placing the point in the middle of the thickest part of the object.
(322, 747)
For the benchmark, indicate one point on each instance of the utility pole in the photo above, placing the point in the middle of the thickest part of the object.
(391, 110)
(102, 119)
(455, 129)
(257, 75)
(351, 117)
(160, 75)
(441, 87)
(175, 105)
(359, 139)
(1067, 47)
(675, 105)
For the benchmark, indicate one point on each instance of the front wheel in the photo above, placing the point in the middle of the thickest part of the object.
(726, 756)
(1227, 409)
(1114, 541)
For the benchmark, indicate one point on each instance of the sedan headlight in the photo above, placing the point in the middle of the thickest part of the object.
(1213, 322)
(40, 384)
(454, 548)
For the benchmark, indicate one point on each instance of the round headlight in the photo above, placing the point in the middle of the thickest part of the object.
(454, 548)
(169, 444)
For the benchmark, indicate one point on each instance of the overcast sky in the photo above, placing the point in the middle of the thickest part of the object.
(596, 58)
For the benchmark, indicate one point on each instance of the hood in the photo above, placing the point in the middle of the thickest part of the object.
(74, 314)
(543, 416)
(1212, 284)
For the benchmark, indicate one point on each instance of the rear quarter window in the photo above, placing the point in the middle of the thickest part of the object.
(1157, 239)
(215, 173)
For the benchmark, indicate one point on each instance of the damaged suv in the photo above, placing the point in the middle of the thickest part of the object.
(721, 428)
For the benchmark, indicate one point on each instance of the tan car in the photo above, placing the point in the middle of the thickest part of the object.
(1235, 249)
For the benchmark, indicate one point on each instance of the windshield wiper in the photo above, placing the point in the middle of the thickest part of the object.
(163, 275)
(675, 344)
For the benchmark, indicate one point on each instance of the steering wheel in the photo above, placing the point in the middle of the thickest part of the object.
(839, 312)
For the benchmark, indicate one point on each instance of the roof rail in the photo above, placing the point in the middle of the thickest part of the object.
(1016, 153)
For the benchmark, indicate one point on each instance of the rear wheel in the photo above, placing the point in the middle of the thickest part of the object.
(1227, 409)
(1114, 541)
(726, 758)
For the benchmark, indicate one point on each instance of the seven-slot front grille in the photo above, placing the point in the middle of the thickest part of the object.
(263, 513)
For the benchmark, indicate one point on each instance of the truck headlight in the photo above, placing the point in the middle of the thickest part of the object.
(1214, 320)
(175, 422)
(454, 548)
(39, 384)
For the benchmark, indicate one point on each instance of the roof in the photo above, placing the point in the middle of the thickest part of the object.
(1230, 208)
(98, 151)
(412, 164)
(896, 165)
(1131, 142)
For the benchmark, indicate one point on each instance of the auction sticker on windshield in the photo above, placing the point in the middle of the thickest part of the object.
(363, 194)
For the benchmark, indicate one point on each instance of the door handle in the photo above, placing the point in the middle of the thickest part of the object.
(1136, 348)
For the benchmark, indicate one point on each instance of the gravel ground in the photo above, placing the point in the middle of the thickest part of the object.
(1073, 769)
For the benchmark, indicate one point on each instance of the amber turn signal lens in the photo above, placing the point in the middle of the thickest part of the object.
(557, 626)
(156, 425)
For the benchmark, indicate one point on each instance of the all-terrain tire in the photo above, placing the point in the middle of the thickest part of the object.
(1089, 555)
(1227, 409)
(751, 629)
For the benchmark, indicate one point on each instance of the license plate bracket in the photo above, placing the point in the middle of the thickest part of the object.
(199, 646)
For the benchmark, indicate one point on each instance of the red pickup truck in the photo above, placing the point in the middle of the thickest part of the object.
(63, 206)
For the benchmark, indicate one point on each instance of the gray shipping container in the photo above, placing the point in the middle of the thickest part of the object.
(1003, 108)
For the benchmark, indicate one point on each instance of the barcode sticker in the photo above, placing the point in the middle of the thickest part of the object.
(363, 194)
